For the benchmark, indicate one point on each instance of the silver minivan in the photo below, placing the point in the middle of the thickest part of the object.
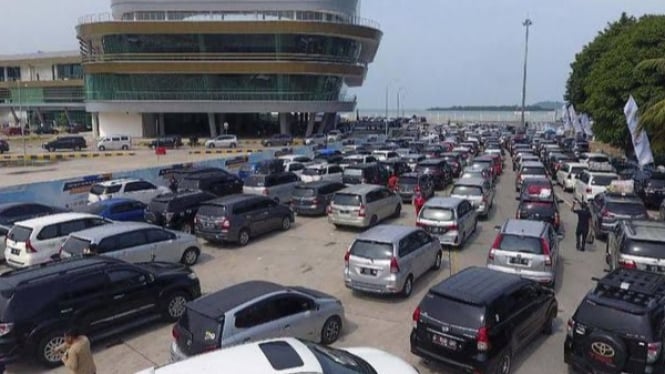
(388, 258)
(478, 191)
(278, 186)
(363, 205)
(526, 248)
(452, 220)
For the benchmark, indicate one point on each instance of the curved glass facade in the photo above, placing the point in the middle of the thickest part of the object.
(107, 87)
(332, 47)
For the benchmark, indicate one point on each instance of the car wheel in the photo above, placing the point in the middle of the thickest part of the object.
(211, 145)
(437, 261)
(174, 307)
(548, 328)
(102, 148)
(504, 364)
(408, 286)
(47, 352)
(331, 330)
(398, 211)
(286, 223)
(243, 237)
(190, 256)
(373, 221)
(125, 148)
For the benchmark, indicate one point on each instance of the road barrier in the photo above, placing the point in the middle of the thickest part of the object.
(213, 151)
(63, 156)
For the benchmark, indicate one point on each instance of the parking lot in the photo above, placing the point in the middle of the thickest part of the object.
(311, 254)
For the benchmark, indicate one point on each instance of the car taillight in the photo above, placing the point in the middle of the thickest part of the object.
(557, 219)
(175, 332)
(224, 223)
(519, 176)
(363, 181)
(347, 255)
(315, 201)
(394, 266)
(419, 224)
(495, 246)
(329, 209)
(6, 328)
(483, 339)
(196, 220)
(416, 317)
(627, 264)
(653, 351)
(361, 212)
(589, 190)
(29, 248)
(546, 251)
(265, 192)
(453, 227)
(570, 327)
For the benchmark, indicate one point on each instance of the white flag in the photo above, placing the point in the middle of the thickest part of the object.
(567, 126)
(640, 139)
(574, 119)
(586, 124)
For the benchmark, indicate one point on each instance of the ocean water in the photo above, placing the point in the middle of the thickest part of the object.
(462, 116)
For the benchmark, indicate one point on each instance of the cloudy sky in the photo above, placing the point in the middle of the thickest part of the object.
(442, 52)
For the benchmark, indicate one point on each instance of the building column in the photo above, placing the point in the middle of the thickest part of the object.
(162, 125)
(311, 120)
(95, 125)
(212, 123)
(284, 125)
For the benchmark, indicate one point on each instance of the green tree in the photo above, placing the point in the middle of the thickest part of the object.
(653, 118)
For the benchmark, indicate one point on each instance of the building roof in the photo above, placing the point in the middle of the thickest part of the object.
(73, 55)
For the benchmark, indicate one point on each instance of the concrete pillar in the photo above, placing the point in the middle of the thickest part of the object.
(212, 123)
(162, 125)
(311, 118)
(284, 125)
(221, 118)
(95, 125)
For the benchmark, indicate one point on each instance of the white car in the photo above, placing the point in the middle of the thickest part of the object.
(222, 141)
(591, 183)
(294, 167)
(335, 136)
(135, 189)
(357, 159)
(567, 174)
(288, 356)
(322, 172)
(316, 139)
(114, 143)
(3, 242)
(386, 155)
(297, 158)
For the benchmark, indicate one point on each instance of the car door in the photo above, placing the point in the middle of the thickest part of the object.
(164, 245)
(272, 220)
(121, 211)
(53, 244)
(256, 215)
(527, 314)
(296, 316)
(130, 293)
(427, 250)
(141, 190)
(257, 321)
(462, 213)
(408, 256)
(133, 247)
(88, 301)
(553, 239)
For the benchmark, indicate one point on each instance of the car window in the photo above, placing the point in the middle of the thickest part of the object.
(158, 235)
(521, 244)
(407, 245)
(121, 208)
(372, 249)
(347, 199)
(265, 204)
(467, 190)
(87, 286)
(130, 239)
(257, 314)
(48, 232)
(139, 186)
(584, 178)
(422, 238)
(292, 304)
(437, 214)
(603, 180)
(122, 279)
(67, 228)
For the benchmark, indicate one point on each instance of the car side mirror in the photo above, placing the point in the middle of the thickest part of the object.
(517, 198)
(560, 201)
(151, 278)
(497, 228)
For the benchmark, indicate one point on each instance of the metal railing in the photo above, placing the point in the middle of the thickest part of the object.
(116, 95)
(110, 57)
(220, 17)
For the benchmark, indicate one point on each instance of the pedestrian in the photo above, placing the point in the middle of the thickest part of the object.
(393, 180)
(173, 184)
(77, 356)
(583, 220)
(418, 201)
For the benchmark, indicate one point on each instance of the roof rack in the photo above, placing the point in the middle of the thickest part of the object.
(605, 167)
(633, 286)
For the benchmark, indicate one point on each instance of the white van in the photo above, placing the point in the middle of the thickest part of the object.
(36, 240)
(136, 189)
(114, 143)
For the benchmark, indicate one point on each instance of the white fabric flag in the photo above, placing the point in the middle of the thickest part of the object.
(640, 139)
(574, 119)
(586, 124)
(567, 126)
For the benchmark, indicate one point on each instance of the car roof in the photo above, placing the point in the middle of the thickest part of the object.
(386, 233)
(359, 189)
(444, 202)
(55, 218)
(523, 227)
(600, 173)
(477, 285)
(112, 229)
(532, 164)
(431, 161)
(471, 182)
(317, 184)
(413, 175)
(118, 181)
(232, 199)
(216, 304)
(57, 268)
(577, 164)
(113, 201)
(645, 229)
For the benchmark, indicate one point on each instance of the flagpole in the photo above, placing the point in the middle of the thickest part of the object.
(527, 23)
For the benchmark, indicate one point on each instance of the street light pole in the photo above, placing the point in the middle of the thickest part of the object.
(399, 96)
(388, 87)
(527, 23)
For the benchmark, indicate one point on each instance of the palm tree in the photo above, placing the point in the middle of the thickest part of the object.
(653, 117)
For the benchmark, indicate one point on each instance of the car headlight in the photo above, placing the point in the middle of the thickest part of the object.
(192, 276)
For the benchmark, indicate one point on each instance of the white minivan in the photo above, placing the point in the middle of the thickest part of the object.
(136, 189)
(36, 240)
(114, 143)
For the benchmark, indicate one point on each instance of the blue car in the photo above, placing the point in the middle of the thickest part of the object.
(118, 209)
(269, 166)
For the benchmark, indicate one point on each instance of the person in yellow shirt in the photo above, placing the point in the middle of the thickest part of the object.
(77, 356)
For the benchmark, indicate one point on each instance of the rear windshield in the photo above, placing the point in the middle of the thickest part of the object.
(533, 171)
(352, 160)
(189, 184)
(482, 164)
(537, 192)
(314, 171)
(613, 319)
(346, 199)
(437, 214)
(256, 181)
(93, 209)
(643, 248)
(467, 191)
(603, 180)
(201, 327)
(371, 249)
(454, 312)
(521, 244)
(472, 174)
(210, 210)
(656, 183)
(408, 180)
(577, 170)
(304, 192)
(353, 172)
(632, 208)
(19, 233)
(75, 246)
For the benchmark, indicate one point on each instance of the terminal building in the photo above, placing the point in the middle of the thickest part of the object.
(154, 67)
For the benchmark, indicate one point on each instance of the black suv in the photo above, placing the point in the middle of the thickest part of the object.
(607, 209)
(637, 244)
(75, 143)
(219, 183)
(478, 319)
(314, 198)
(618, 327)
(100, 295)
(438, 168)
(4, 146)
(651, 188)
(176, 211)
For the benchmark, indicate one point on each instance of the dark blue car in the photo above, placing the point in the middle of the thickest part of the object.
(118, 209)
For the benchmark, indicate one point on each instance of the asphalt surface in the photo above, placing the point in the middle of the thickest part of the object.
(311, 254)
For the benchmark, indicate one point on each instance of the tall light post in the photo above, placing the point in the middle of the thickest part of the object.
(399, 93)
(527, 23)
(388, 87)
(20, 117)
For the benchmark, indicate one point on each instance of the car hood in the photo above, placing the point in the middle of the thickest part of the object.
(164, 268)
(383, 362)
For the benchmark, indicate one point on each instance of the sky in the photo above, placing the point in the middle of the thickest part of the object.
(439, 52)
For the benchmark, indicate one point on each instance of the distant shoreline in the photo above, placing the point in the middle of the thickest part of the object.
(531, 108)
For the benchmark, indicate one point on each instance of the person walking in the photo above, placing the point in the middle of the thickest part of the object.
(393, 181)
(77, 356)
(583, 220)
(173, 184)
(418, 201)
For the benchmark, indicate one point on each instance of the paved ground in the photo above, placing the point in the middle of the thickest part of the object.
(311, 254)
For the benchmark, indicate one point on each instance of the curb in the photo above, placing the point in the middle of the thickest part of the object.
(225, 151)
(64, 156)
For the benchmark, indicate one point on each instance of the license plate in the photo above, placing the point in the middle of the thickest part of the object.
(519, 261)
(437, 230)
(654, 268)
(209, 225)
(344, 212)
(368, 271)
(16, 251)
(445, 342)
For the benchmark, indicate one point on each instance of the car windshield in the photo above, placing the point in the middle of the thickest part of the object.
(353, 172)
(93, 209)
(255, 181)
(521, 244)
(372, 249)
(314, 171)
(467, 191)
(577, 170)
(75, 246)
(408, 180)
(97, 189)
(603, 180)
(346, 199)
(304, 192)
(613, 319)
(627, 208)
(335, 361)
(437, 214)
(19, 233)
(533, 170)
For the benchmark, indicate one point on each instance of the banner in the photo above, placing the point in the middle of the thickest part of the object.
(640, 139)
(574, 119)
(585, 123)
